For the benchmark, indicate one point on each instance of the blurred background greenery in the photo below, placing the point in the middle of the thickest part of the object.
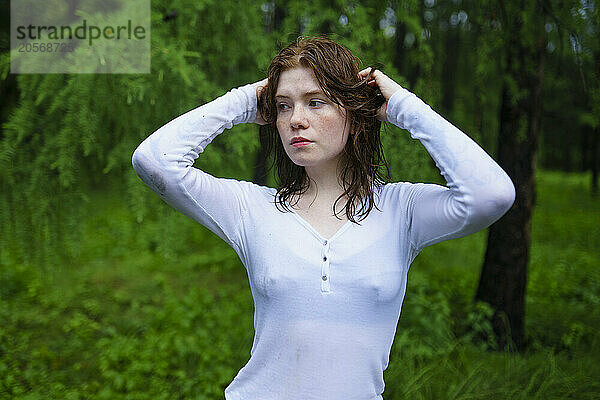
(105, 292)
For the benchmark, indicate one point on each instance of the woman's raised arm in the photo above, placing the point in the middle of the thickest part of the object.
(478, 190)
(164, 162)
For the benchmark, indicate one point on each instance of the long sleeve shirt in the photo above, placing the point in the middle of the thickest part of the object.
(325, 309)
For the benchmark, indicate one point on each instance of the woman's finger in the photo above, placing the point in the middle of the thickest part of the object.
(364, 72)
(372, 76)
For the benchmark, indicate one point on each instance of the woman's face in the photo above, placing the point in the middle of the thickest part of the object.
(303, 110)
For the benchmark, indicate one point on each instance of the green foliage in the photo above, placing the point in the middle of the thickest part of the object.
(125, 322)
(71, 133)
(81, 317)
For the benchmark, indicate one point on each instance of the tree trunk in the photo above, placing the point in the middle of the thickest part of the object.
(595, 145)
(504, 273)
(414, 75)
(594, 162)
(260, 165)
(449, 69)
(585, 148)
(399, 52)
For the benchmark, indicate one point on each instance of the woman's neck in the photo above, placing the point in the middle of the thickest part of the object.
(324, 184)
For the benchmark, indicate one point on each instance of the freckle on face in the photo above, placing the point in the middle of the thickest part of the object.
(324, 124)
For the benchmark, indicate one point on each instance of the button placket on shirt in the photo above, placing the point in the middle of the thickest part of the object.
(325, 272)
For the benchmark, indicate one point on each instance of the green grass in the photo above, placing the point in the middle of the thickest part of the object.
(136, 317)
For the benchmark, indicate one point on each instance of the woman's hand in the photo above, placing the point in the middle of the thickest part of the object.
(259, 86)
(387, 86)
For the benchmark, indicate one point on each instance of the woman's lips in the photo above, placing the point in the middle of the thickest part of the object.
(300, 144)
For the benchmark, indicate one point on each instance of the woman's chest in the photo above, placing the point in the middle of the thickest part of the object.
(363, 262)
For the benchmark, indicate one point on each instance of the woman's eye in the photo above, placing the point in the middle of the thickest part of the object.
(315, 103)
(282, 106)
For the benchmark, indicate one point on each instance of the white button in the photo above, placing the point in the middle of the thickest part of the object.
(324, 277)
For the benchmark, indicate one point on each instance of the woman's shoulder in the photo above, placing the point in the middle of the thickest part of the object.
(385, 193)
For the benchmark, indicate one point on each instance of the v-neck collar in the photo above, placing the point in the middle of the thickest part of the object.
(309, 227)
(312, 230)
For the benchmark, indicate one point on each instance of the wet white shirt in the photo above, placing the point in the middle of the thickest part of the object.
(325, 309)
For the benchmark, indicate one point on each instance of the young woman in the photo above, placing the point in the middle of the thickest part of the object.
(327, 288)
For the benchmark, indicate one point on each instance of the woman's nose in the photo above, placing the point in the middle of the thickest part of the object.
(298, 118)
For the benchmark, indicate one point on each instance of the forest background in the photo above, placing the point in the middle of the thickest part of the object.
(106, 292)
